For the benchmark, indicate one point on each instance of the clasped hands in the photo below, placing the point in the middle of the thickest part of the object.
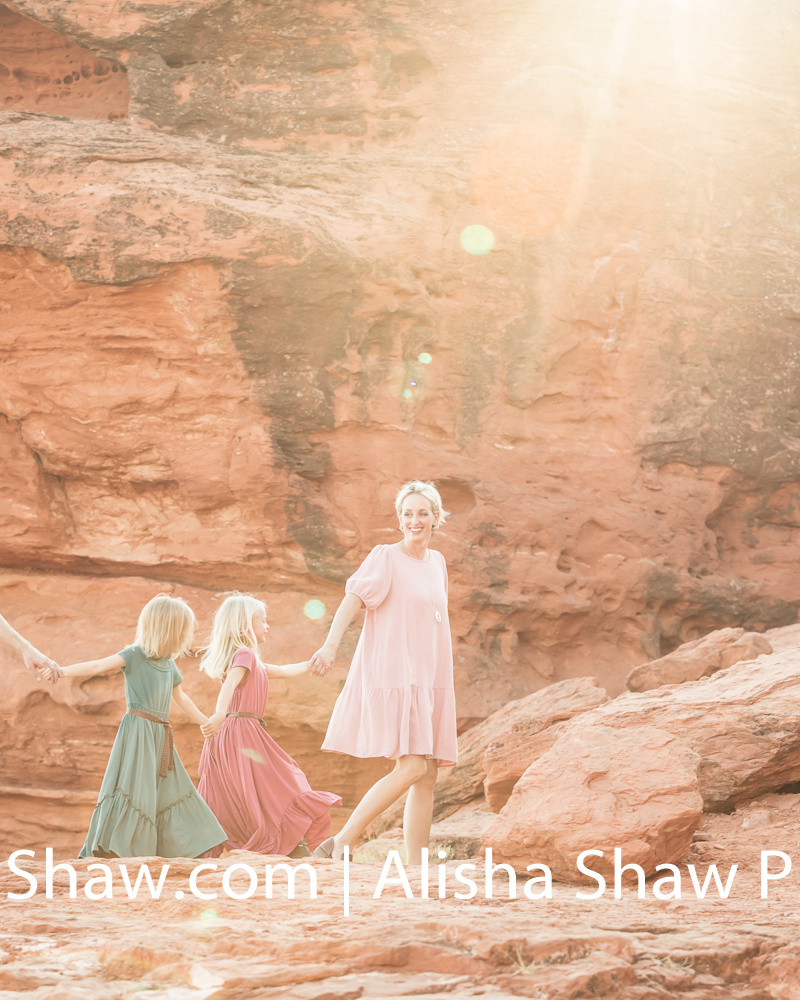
(322, 661)
(41, 666)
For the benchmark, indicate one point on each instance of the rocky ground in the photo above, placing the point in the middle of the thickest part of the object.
(741, 947)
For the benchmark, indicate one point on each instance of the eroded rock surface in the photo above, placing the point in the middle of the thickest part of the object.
(638, 772)
(562, 948)
(500, 741)
(699, 658)
(602, 789)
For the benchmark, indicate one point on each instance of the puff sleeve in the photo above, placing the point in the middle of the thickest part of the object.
(127, 656)
(373, 578)
(244, 658)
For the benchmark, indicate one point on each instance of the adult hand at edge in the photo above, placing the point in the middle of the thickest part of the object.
(41, 666)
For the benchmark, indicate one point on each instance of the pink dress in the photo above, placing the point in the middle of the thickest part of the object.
(398, 698)
(260, 796)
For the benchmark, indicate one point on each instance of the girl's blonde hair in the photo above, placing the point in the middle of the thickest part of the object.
(427, 490)
(232, 630)
(165, 628)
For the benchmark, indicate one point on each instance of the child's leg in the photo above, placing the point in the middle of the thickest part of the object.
(383, 793)
(418, 814)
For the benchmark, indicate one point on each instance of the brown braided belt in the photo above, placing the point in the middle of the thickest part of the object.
(167, 757)
(247, 715)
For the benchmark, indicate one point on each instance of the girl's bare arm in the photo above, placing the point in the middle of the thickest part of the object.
(91, 668)
(235, 676)
(184, 702)
(287, 670)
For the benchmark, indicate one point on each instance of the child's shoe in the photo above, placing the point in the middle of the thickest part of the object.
(301, 851)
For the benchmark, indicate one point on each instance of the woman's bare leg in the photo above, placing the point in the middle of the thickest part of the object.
(418, 814)
(383, 793)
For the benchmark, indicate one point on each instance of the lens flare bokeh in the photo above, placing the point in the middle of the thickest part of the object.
(314, 610)
(477, 239)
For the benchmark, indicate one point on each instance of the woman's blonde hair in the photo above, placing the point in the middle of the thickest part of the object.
(165, 628)
(427, 490)
(232, 630)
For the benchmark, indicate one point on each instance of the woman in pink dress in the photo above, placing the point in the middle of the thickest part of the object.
(398, 700)
(259, 795)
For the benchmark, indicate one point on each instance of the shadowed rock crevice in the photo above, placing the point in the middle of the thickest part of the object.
(294, 73)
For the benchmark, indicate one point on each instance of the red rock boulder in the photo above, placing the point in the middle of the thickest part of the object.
(701, 658)
(501, 737)
(601, 788)
(743, 723)
(511, 729)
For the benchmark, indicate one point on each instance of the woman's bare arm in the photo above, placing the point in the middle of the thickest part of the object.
(322, 661)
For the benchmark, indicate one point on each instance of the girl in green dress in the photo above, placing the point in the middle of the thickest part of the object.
(148, 806)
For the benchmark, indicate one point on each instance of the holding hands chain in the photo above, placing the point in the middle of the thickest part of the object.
(41, 666)
(213, 726)
(322, 661)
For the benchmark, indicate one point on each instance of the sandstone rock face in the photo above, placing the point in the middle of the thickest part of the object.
(499, 736)
(699, 658)
(564, 948)
(42, 70)
(599, 789)
(743, 723)
(261, 317)
(511, 729)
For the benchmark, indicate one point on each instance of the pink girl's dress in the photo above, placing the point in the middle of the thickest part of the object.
(260, 796)
(398, 698)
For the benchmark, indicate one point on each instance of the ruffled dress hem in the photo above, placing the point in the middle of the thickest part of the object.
(118, 827)
(307, 816)
(422, 713)
(257, 791)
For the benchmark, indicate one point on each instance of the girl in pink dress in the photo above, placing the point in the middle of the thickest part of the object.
(258, 793)
(398, 700)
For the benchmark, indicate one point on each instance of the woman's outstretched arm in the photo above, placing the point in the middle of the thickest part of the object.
(37, 663)
(322, 661)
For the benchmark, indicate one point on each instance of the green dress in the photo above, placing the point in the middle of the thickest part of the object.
(139, 813)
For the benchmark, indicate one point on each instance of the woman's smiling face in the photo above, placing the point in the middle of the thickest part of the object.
(417, 519)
